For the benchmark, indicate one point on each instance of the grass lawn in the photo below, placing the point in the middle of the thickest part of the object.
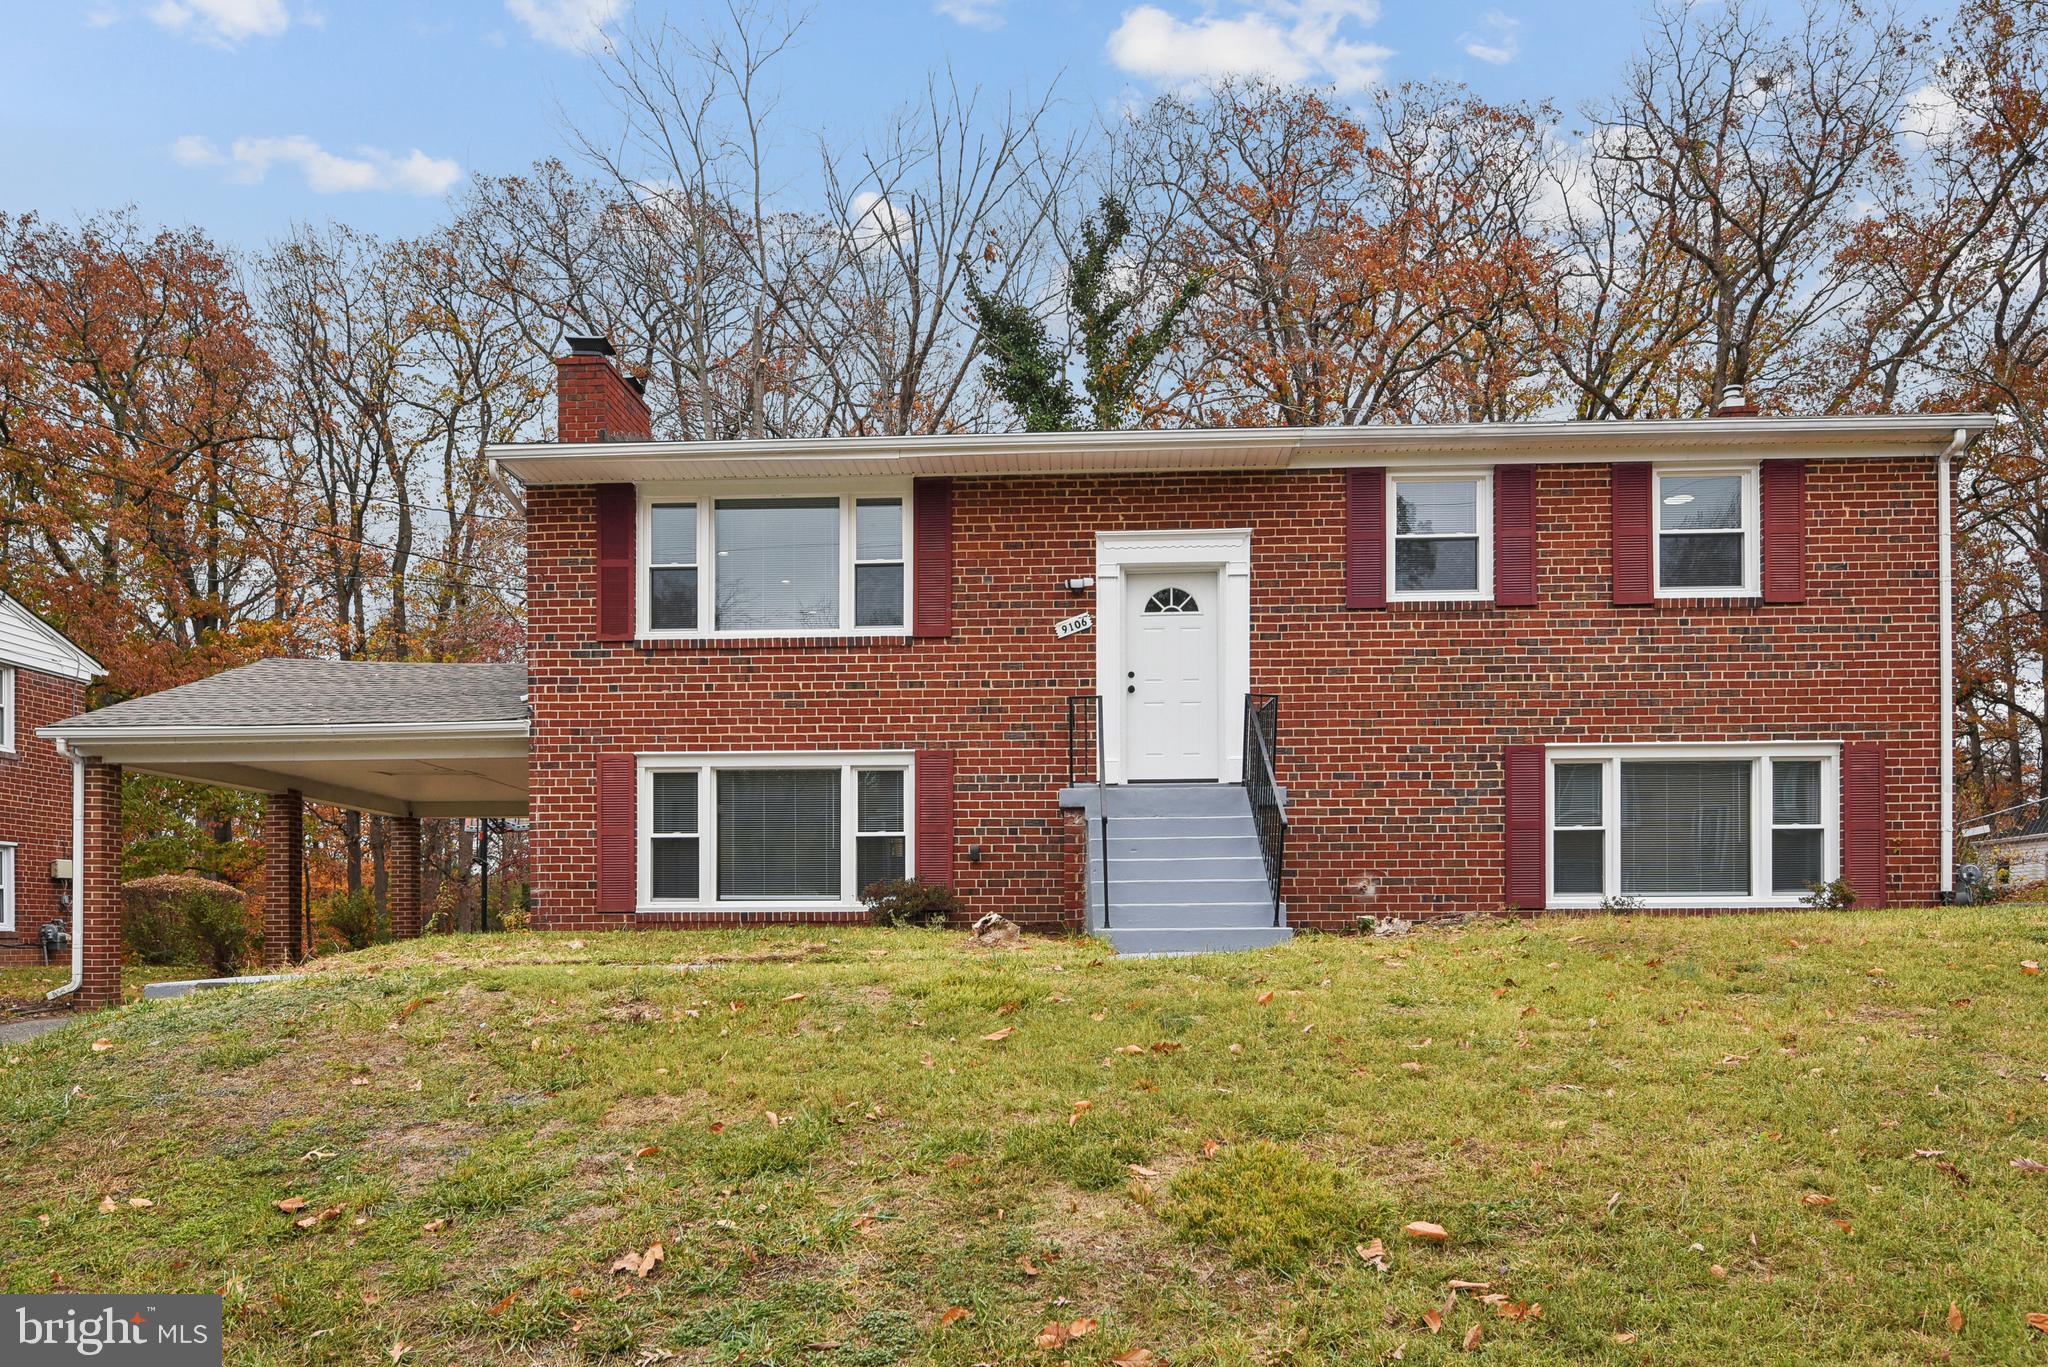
(29, 984)
(1752, 1139)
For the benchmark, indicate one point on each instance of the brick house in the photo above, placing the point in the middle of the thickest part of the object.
(1689, 666)
(43, 678)
(1191, 689)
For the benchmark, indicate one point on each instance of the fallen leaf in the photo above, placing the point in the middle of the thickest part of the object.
(647, 1151)
(639, 1264)
(1718, 1272)
(1165, 1047)
(1519, 1310)
(2029, 1165)
(1459, 1284)
(399, 1348)
(1472, 1337)
(1052, 1336)
(1080, 1108)
(1026, 1266)
(100, 1046)
(1955, 1318)
(953, 1315)
(1625, 1338)
(1433, 1321)
(1000, 1035)
(140, 1202)
(2037, 1320)
(506, 1304)
(1080, 1328)
(1141, 1170)
(1423, 1229)
(1265, 996)
(1815, 1199)
(108, 1205)
(1845, 1227)
(290, 1204)
(1210, 1147)
(796, 996)
(1137, 1357)
(435, 1225)
(1374, 1254)
(2026, 966)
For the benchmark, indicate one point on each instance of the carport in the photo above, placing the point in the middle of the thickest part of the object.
(398, 740)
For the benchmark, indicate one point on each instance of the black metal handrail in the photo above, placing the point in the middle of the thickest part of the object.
(1076, 705)
(1262, 785)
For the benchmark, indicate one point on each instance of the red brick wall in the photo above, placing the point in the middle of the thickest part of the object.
(1392, 722)
(35, 806)
(594, 402)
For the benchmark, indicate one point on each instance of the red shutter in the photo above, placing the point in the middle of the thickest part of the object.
(1784, 500)
(931, 550)
(618, 835)
(1514, 536)
(934, 782)
(617, 511)
(1522, 790)
(1632, 534)
(1863, 835)
(1365, 538)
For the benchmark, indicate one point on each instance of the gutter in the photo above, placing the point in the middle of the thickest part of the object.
(77, 873)
(351, 731)
(1945, 698)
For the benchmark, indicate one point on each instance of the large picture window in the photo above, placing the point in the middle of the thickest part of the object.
(1706, 533)
(768, 830)
(1704, 825)
(1440, 537)
(813, 565)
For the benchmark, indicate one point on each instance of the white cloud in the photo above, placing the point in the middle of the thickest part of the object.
(1930, 116)
(101, 18)
(248, 162)
(223, 22)
(1286, 40)
(973, 13)
(1498, 39)
(876, 219)
(575, 25)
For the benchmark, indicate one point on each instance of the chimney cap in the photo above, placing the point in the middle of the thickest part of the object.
(590, 346)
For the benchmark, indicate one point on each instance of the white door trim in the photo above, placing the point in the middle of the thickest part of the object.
(1226, 552)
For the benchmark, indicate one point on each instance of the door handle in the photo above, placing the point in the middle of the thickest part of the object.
(1130, 688)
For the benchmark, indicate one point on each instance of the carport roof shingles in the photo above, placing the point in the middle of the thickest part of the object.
(303, 694)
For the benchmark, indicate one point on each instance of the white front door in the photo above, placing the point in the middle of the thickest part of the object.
(1172, 676)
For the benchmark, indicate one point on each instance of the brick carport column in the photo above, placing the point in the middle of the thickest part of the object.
(402, 836)
(284, 856)
(98, 889)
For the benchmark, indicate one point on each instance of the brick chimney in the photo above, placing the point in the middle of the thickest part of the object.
(1734, 404)
(594, 401)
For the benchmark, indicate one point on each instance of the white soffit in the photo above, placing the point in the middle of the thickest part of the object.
(1260, 448)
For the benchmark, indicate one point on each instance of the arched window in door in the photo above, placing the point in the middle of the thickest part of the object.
(1169, 600)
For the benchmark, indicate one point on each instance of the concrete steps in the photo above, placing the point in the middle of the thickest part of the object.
(1185, 872)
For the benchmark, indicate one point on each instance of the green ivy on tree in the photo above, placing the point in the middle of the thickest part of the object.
(1028, 369)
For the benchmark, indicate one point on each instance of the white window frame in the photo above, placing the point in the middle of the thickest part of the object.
(1752, 539)
(1483, 480)
(7, 862)
(7, 673)
(706, 498)
(849, 763)
(1760, 755)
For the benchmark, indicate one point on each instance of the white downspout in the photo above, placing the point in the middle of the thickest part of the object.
(77, 873)
(1947, 698)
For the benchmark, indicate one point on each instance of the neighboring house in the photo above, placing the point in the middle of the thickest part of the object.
(43, 678)
(2015, 850)
(1689, 665)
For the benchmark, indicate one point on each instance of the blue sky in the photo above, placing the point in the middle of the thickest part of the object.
(246, 116)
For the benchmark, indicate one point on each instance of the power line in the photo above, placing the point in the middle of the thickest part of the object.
(191, 499)
(384, 499)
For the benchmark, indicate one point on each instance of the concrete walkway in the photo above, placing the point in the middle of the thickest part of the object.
(21, 1031)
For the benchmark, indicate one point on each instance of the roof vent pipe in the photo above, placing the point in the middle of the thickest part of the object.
(1734, 404)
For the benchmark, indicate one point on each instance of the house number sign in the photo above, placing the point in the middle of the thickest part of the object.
(1079, 622)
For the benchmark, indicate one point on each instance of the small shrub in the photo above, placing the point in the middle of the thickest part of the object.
(1268, 1205)
(176, 918)
(352, 919)
(1838, 895)
(907, 902)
